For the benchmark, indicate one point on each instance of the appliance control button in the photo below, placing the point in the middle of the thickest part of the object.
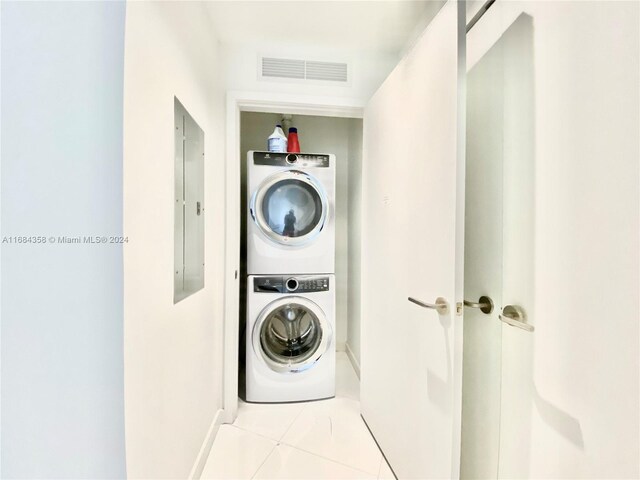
(292, 284)
(291, 159)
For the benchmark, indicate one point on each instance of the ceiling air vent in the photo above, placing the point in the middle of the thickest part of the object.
(282, 68)
(303, 69)
(332, 71)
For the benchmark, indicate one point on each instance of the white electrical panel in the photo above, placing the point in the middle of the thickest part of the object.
(189, 205)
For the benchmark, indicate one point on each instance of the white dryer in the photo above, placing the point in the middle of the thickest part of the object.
(291, 217)
(290, 338)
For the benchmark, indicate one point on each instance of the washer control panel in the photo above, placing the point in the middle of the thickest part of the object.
(286, 284)
(290, 159)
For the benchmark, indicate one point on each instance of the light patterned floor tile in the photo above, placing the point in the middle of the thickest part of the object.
(326, 439)
(286, 462)
(385, 471)
(236, 454)
(270, 420)
(334, 429)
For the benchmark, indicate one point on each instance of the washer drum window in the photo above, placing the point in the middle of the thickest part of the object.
(290, 207)
(291, 334)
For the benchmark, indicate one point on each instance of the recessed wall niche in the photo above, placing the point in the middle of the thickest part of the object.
(189, 205)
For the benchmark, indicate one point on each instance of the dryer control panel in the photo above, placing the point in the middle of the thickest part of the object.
(302, 284)
(290, 159)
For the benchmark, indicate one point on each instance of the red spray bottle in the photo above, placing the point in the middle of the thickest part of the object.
(293, 146)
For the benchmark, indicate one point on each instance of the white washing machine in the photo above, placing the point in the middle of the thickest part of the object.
(291, 218)
(290, 335)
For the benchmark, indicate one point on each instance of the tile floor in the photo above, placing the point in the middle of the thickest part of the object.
(326, 439)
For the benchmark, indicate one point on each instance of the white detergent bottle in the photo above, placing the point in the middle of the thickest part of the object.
(281, 132)
(277, 141)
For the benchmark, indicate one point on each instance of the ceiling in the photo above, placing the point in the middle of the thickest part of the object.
(380, 26)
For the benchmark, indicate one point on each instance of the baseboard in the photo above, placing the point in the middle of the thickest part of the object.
(352, 359)
(205, 449)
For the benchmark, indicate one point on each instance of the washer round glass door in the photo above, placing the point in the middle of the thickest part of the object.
(290, 207)
(291, 334)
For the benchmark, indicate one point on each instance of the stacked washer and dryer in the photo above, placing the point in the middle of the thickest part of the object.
(290, 325)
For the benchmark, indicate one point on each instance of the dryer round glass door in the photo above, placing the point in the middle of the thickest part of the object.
(291, 334)
(290, 207)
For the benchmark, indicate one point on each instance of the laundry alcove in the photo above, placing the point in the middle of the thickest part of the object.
(342, 137)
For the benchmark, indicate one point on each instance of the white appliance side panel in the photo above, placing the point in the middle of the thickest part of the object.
(265, 257)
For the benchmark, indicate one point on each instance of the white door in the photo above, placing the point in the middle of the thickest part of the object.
(483, 258)
(568, 100)
(413, 205)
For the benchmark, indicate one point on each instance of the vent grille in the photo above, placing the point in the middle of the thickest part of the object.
(283, 68)
(304, 69)
(335, 72)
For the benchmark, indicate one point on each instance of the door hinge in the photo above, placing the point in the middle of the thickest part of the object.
(459, 308)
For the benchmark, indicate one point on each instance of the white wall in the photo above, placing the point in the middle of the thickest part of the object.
(62, 304)
(570, 390)
(354, 215)
(367, 70)
(318, 135)
(173, 353)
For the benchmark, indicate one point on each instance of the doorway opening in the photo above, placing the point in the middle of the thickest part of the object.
(277, 431)
(332, 126)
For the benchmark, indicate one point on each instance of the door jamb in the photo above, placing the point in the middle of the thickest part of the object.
(255, 102)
